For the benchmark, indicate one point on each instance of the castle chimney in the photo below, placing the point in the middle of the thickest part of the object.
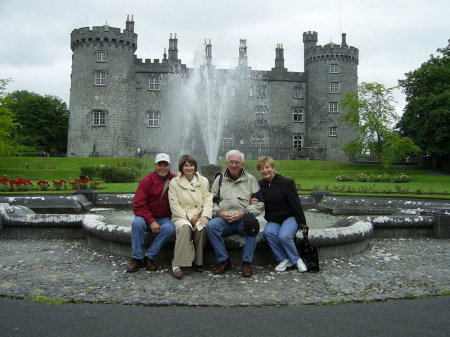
(129, 24)
(208, 52)
(242, 53)
(173, 47)
(279, 56)
(344, 40)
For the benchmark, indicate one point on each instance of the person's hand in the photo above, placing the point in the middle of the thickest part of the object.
(155, 227)
(202, 221)
(232, 216)
(194, 219)
(253, 201)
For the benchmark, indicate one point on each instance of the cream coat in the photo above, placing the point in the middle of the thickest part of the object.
(188, 200)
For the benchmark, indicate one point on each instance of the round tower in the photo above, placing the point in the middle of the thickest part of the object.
(102, 104)
(331, 72)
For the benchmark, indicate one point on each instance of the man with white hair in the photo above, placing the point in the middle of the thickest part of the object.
(232, 193)
(152, 213)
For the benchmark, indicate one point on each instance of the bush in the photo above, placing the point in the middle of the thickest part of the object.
(92, 172)
(112, 174)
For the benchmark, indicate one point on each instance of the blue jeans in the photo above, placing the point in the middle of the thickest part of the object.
(138, 229)
(217, 228)
(280, 239)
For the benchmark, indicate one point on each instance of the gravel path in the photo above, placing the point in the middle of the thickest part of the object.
(388, 269)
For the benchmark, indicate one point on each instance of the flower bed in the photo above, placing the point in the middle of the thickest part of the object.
(19, 185)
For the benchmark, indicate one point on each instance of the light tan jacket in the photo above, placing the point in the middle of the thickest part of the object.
(235, 195)
(188, 200)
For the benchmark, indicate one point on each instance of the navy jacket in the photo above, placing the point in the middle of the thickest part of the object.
(281, 200)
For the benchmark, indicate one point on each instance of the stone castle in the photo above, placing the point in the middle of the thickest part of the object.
(119, 103)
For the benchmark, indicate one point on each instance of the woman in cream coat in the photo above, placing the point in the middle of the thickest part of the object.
(191, 205)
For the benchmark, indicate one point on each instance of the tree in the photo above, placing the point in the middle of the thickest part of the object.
(7, 124)
(372, 113)
(43, 121)
(426, 117)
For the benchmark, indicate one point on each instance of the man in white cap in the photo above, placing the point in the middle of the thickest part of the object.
(152, 213)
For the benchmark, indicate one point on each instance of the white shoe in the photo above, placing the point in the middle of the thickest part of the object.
(301, 266)
(283, 265)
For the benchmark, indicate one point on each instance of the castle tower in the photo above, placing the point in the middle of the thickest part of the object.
(102, 104)
(331, 71)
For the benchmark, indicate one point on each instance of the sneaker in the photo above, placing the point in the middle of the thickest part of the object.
(301, 266)
(283, 265)
(134, 265)
(177, 273)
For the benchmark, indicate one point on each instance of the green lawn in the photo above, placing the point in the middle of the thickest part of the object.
(309, 175)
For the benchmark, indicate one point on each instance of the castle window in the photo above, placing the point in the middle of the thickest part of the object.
(260, 113)
(298, 92)
(99, 118)
(153, 119)
(334, 87)
(334, 68)
(297, 114)
(333, 107)
(332, 131)
(258, 141)
(261, 92)
(297, 140)
(153, 83)
(226, 142)
(101, 56)
(100, 78)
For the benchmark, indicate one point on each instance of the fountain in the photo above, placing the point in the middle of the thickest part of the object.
(200, 103)
(364, 218)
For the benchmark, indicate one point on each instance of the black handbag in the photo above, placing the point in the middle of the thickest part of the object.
(309, 254)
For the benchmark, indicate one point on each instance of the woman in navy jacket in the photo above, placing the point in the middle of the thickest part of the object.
(284, 215)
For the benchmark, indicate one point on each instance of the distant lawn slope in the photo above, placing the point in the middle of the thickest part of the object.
(308, 175)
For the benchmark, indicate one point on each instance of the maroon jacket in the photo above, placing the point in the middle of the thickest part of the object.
(147, 202)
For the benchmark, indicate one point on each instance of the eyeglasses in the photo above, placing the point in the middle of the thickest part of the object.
(234, 162)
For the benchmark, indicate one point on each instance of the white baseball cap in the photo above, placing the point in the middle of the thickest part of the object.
(162, 157)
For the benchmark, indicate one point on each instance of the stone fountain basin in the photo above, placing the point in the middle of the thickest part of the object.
(394, 218)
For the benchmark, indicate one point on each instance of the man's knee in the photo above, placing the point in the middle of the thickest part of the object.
(138, 223)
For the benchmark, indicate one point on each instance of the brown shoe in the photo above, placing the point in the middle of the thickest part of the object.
(221, 267)
(177, 273)
(150, 264)
(199, 268)
(247, 270)
(134, 265)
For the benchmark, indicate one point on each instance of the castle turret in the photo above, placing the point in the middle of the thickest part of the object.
(309, 40)
(331, 71)
(102, 100)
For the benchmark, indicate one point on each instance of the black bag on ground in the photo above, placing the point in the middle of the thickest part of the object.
(309, 254)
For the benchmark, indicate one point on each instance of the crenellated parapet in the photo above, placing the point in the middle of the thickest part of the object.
(103, 36)
(331, 51)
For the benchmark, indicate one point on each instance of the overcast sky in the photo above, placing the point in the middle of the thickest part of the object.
(393, 37)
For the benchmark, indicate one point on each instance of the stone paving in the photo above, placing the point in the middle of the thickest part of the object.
(69, 269)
